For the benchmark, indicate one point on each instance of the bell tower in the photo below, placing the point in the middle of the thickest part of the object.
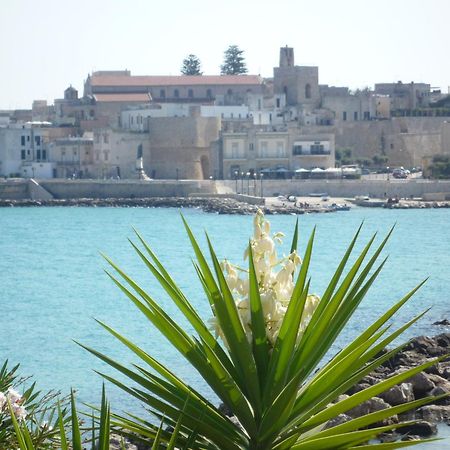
(286, 57)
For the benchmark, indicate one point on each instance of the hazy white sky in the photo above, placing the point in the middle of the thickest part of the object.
(48, 44)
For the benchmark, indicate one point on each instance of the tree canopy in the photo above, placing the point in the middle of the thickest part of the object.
(191, 65)
(234, 61)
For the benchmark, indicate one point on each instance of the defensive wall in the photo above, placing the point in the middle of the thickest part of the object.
(101, 189)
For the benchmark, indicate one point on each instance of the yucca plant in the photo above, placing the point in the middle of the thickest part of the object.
(267, 366)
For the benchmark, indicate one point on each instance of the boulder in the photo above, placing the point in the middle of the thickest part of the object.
(398, 394)
(421, 428)
(434, 413)
(421, 384)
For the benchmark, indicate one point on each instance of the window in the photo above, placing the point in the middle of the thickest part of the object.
(22, 140)
(235, 150)
(263, 149)
(208, 93)
(251, 146)
(259, 103)
(105, 138)
(230, 92)
(280, 149)
(97, 137)
(176, 93)
(344, 115)
(162, 93)
(22, 154)
(28, 138)
(105, 155)
(278, 103)
(44, 155)
(355, 116)
(308, 91)
(366, 115)
(297, 150)
(37, 139)
(38, 154)
(190, 93)
(317, 149)
(270, 117)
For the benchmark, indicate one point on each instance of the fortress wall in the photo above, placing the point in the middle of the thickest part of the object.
(183, 143)
(404, 140)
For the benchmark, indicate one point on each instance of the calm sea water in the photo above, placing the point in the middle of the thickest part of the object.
(53, 284)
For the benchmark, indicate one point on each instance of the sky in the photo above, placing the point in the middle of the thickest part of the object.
(47, 45)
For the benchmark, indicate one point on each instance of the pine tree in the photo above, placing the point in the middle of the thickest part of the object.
(234, 62)
(191, 66)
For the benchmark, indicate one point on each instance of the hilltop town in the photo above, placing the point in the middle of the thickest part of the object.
(202, 127)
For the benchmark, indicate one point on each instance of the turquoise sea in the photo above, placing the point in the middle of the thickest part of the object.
(53, 283)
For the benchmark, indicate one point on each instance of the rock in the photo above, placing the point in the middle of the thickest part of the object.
(338, 420)
(421, 384)
(115, 443)
(440, 381)
(442, 322)
(358, 387)
(225, 410)
(421, 428)
(434, 413)
(369, 406)
(398, 394)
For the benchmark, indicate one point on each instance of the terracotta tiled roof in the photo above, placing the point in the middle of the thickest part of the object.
(176, 80)
(142, 98)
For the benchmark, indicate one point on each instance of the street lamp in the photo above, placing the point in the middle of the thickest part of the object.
(387, 168)
(261, 184)
(236, 176)
(242, 182)
(248, 183)
(177, 172)
(254, 184)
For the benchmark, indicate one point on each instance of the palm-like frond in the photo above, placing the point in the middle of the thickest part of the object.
(278, 393)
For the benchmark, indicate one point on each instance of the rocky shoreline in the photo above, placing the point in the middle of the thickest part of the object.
(434, 381)
(211, 205)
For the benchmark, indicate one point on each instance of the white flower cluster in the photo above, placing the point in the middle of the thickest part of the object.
(275, 280)
(15, 400)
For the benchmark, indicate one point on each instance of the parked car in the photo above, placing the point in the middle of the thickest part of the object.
(399, 173)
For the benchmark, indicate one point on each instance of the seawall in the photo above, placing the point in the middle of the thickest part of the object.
(18, 189)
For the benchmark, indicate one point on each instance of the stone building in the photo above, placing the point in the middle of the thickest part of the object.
(115, 153)
(24, 149)
(405, 97)
(218, 89)
(184, 147)
(299, 84)
(253, 150)
(73, 157)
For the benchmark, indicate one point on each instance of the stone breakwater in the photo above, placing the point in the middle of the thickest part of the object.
(212, 205)
(434, 381)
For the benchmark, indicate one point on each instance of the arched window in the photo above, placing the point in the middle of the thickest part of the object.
(176, 93)
(308, 91)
